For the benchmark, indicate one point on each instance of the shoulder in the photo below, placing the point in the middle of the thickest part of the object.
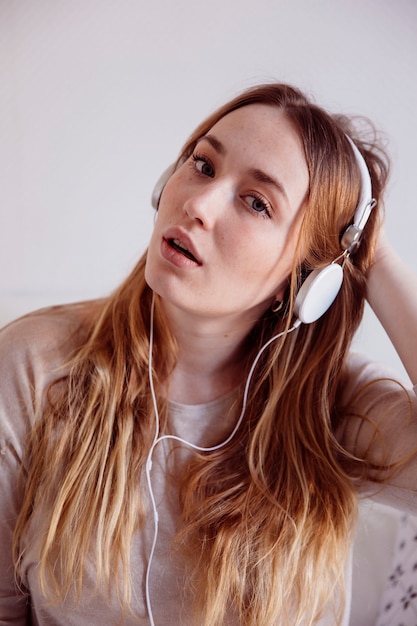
(363, 376)
(59, 316)
(376, 405)
(34, 351)
(46, 333)
(380, 425)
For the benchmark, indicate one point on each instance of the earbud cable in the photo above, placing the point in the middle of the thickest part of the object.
(157, 438)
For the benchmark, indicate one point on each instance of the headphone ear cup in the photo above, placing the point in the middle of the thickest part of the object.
(160, 184)
(318, 292)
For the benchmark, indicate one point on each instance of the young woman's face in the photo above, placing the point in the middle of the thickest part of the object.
(228, 218)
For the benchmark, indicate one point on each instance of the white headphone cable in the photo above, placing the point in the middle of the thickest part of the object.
(157, 439)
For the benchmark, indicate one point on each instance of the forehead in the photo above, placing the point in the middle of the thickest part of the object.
(260, 122)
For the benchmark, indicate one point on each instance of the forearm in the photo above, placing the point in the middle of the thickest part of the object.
(392, 294)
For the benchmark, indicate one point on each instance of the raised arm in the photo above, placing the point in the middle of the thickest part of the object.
(392, 294)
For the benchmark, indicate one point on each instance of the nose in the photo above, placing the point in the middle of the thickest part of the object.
(207, 204)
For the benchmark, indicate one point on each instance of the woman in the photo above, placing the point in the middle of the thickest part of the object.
(190, 452)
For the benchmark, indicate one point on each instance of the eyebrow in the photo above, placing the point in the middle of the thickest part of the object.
(256, 173)
(262, 177)
(215, 143)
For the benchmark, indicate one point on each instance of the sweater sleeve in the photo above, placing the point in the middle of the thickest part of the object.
(16, 416)
(31, 350)
(381, 426)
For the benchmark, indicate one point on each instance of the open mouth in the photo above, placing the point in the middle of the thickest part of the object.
(177, 245)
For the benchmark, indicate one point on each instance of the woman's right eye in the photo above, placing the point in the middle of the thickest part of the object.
(203, 165)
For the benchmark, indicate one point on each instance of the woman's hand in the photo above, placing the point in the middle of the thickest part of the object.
(392, 294)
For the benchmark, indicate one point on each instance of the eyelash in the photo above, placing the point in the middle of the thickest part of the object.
(265, 212)
(198, 157)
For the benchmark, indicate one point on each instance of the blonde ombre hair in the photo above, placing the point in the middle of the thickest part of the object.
(270, 515)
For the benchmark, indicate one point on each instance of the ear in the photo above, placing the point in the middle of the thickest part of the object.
(280, 295)
(282, 290)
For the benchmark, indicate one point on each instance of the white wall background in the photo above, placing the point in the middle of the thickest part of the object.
(97, 96)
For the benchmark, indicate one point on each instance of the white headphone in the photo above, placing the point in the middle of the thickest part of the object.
(319, 290)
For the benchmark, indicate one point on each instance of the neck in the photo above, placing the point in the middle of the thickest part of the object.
(211, 357)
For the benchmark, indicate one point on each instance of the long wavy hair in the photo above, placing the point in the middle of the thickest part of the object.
(270, 515)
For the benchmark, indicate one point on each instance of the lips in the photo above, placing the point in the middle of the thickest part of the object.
(180, 244)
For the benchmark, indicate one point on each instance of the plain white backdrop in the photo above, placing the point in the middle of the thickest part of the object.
(97, 96)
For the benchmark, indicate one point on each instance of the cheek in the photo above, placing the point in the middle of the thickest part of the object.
(255, 260)
(152, 244)
(267, 261)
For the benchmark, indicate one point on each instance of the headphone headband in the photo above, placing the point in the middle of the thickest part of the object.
(351, 237)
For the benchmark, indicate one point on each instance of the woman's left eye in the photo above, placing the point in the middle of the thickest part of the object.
(258, 204)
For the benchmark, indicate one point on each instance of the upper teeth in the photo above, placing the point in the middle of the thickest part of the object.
(179, 244)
